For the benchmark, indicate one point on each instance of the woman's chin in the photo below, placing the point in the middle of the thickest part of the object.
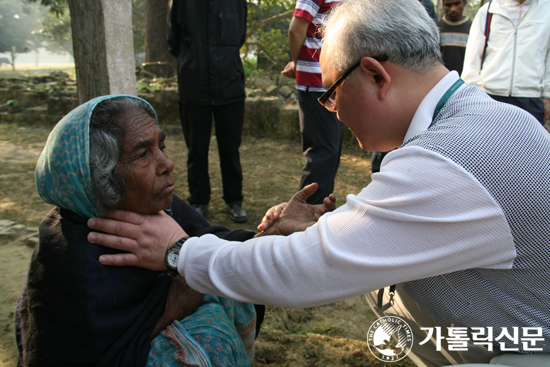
(169, 200)
(166, 202)
(161, 202)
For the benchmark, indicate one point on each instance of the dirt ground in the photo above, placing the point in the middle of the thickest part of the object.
(331, 335)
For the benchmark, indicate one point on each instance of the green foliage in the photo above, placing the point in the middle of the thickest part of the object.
(57, 7)
(17, 22)
(250, 65)
(327, 330)
(298, 330)
(268, 22)
(56, 31)
(138, 25)
(143, 87)
(309, 353)
(56, 88)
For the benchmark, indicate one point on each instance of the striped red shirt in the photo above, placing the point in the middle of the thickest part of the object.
(308, 71)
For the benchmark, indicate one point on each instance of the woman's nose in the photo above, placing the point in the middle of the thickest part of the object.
(165, 164)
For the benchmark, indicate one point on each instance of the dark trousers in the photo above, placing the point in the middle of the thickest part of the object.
(196, 122)
(377, 158)
(534, 106)
(322, 134)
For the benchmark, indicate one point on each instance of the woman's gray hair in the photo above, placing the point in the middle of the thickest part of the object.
(400, 29)
(106, 135)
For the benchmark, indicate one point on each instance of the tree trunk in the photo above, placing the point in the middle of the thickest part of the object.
(103, 47)
(156, 29)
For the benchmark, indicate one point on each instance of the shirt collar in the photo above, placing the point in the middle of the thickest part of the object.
(423, 116)
(514, 3)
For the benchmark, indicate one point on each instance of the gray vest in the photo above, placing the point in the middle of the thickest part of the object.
(508, 152)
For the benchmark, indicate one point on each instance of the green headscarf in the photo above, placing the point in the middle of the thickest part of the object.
(63, 175)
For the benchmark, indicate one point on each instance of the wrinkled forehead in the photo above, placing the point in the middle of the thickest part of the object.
(138, 125)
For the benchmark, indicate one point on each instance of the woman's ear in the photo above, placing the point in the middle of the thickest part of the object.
(379, 74)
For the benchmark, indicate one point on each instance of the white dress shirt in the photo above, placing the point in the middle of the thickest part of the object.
(412, 221)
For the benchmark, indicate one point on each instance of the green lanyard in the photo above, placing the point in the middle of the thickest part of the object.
(446, 96)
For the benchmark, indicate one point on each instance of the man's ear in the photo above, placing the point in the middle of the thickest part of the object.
(379, 75)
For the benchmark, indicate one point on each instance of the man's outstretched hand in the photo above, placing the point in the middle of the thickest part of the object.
(145, 237)
(296, 215)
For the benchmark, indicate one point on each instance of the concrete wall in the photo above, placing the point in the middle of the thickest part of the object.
(265, 117)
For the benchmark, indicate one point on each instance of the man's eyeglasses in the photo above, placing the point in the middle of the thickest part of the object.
(327, 100)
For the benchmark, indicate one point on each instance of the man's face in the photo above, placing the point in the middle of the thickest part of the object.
(352, 102)
(453, 9)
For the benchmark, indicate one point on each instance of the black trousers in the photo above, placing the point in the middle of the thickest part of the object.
(322, 134)
(534, 106)
(377, 158)
(196, 122)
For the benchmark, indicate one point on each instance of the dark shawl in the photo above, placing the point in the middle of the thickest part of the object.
(73, 311)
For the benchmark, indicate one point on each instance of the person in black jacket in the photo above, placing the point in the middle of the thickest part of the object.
(206, 36)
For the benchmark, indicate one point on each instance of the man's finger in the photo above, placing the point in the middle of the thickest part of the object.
(115, 227)
(119, 260)
(116, 242)
(306, 192)
(330, 202)
(126, 216)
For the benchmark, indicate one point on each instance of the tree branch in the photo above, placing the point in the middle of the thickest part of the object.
(268, 21)
(266, 52)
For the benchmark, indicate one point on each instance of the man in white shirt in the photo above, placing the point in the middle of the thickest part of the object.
(508, 54)
(448, 218)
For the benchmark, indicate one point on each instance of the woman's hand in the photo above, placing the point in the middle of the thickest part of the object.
(145, 237)
(297, 215)
(271, 216)
(182, 301)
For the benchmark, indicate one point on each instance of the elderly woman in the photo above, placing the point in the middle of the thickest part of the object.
(109, 154)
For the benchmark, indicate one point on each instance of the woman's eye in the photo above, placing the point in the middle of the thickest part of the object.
(162, 146)
(143, 154)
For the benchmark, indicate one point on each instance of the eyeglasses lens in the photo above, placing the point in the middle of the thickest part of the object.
(330, 104)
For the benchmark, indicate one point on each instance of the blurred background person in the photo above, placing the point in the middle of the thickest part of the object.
(454, 28)
(322, 133)
(508, 54)
(206, 37)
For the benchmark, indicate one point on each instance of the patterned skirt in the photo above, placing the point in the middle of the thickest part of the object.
(220, 333)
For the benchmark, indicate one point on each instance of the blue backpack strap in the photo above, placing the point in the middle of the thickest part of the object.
(487, 29)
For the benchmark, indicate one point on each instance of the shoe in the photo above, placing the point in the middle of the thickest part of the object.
(201, 208)
(237, 212)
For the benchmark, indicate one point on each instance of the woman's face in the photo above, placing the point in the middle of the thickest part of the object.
(143, 165)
